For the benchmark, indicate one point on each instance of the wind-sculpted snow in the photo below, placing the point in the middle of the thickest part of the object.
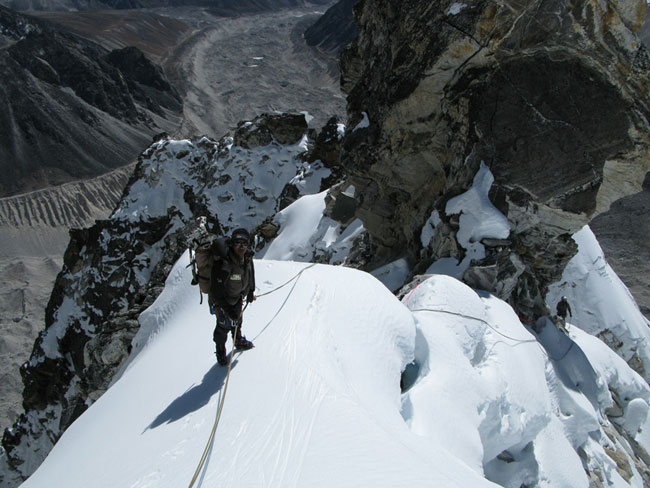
(526, 397)
(522, 413)
(307, 235)
(317, 402)
(602, 305)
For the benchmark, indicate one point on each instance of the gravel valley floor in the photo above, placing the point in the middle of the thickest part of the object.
(238, 68)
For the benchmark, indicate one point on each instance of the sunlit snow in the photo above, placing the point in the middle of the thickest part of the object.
(350, 387)
(317, 402)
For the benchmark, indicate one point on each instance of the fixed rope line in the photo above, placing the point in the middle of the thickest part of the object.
(474, 318)
(520, 341)
(285, 300)
(286, 283)
(222, 397)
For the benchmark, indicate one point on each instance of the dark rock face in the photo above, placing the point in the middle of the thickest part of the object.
(271, 128)
(623, 232)
(59, 88)
(327, 148)
(145, 80)
(14, 27)
(551, 97)
(335, 29)
(542, 131)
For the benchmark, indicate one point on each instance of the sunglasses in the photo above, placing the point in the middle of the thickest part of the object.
(239, 243)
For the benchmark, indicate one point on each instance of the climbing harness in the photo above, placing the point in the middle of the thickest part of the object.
(222, 396)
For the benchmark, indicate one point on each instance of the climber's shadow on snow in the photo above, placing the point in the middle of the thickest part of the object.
(194, 398)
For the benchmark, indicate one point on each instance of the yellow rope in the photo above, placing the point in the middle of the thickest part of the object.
(286, 283)
(222, 399)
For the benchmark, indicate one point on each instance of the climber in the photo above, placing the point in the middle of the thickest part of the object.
(232, 281)
(562, 308)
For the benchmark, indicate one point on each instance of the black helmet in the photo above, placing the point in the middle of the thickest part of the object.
(240, 235)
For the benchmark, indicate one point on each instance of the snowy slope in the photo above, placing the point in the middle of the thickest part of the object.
(347, 385)
(318, 402)
(512, 402)
(601, 303)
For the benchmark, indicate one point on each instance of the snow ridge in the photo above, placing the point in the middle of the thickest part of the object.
(347, 385)
(107, 277)
(492, 401)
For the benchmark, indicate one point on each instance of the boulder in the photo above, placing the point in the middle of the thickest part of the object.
(265, 129)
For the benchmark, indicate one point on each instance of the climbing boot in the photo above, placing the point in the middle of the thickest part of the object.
(221, 355)
(242, 344)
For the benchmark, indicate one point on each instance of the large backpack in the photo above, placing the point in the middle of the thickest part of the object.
(202, 258)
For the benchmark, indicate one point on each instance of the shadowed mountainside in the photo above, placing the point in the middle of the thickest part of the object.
(33, 237)
(335, 29)
(155, 35)
(57, 88)
(623, 232)
(228, 8)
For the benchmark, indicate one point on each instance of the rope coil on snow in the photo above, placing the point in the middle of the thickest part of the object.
(222, 397)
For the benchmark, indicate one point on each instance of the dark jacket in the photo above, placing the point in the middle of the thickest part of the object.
(232, 281)
(563, 307)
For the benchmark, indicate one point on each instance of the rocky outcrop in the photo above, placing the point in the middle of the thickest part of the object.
(551, 96)
(327, 149)
(59, 88)
(115, 269)
(33, 237)
(266, 129)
